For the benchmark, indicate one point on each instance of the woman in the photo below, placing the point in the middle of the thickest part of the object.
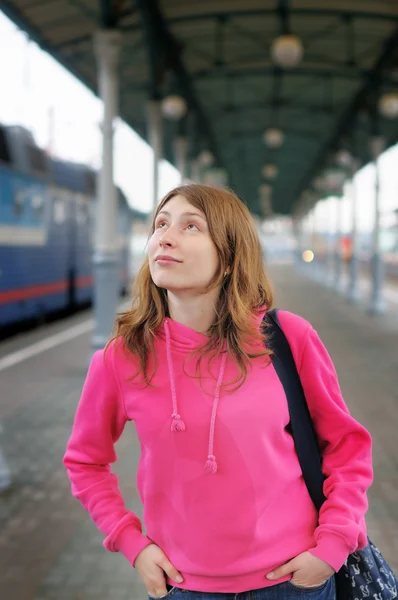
(226, 509)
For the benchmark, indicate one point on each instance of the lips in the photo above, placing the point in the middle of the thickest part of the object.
(166, 258)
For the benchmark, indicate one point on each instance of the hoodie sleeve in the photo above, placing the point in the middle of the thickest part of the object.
(99, 422)
(347, 457)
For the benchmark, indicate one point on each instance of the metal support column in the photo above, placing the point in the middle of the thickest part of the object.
(353, 284)
(337, 248)
(106, 259)
(330, 259)
(316, 267)
(298, 237)
(155, 123)
(181, 149)
(377, 304)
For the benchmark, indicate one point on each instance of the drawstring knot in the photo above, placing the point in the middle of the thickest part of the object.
(177, 423)
(211, 465)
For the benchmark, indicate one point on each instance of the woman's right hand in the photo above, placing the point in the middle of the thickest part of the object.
(152, 563)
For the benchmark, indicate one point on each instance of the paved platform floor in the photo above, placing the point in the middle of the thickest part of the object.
(50, 550)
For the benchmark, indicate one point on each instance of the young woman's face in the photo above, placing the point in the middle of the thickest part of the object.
(182, 256)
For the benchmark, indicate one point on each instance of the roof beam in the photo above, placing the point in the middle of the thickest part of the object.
(34, 33)
(259, 71)
(310, 136)
(163, 46)
(387, 57)
(290, 104)
(108, 13)
(349, 73)
(296, 11)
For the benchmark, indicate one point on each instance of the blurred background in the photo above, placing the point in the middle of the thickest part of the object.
(106, 105)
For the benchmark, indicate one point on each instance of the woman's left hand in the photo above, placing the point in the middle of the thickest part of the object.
(307, 570)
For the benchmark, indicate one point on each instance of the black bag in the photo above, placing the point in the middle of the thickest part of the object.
(365, 573)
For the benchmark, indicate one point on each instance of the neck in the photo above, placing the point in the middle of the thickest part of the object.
(196, 312)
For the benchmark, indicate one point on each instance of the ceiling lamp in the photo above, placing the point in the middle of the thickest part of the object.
(273, 138)
(206, 158)
(174, 107)
(270, 171)
(344, 158)
(287, 50)
(388, 105)
(334, 179)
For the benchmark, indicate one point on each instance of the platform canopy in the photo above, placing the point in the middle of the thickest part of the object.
(220, 56)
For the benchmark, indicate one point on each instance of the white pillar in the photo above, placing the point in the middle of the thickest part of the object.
(106, 258)
(181, 149)
(337, 249)
(297, 224)
(331, 243)
(155, 123)
(353, 285)
(377, 302)
(315, 242)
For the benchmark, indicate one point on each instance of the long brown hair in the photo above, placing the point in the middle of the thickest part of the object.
(244, 289)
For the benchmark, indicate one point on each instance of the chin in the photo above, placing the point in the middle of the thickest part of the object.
(165, 282)
(175, 287)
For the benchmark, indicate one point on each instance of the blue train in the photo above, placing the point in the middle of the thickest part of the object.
(47, 211)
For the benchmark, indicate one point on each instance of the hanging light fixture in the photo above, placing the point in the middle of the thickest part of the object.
(273, 137)
(206, 158)
(343, 158)
(174, 107)
(388, 105)
(287, 50)
(334, 179)
(270, 171)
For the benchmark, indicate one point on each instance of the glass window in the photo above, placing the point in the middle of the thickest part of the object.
(19, 201)
(37, 203)
(59, 210)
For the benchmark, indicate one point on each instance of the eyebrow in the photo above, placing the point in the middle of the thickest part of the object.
(185, 214)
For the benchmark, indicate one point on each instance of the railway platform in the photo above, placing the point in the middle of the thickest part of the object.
(50, 550)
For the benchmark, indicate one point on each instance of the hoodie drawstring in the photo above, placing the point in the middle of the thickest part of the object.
(177, 424)
(211, 463)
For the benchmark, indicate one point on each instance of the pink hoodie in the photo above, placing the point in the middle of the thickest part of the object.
(218, 475)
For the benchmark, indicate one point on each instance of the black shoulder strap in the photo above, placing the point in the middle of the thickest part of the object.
(303, 432)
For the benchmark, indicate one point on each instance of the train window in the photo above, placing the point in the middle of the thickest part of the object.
(19, 201)
(59, 210)
(82, 212)
(37, 203)
(4, 153)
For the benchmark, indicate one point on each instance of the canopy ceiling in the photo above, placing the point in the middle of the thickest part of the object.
(216, 53)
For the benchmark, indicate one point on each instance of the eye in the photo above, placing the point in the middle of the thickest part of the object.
(160, 224)
(192, 225)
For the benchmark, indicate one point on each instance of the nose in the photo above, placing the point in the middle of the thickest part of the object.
(167, 239)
